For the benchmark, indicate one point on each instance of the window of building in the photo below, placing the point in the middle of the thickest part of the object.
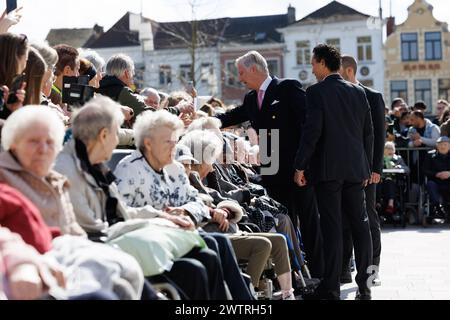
(410, 51)
(444, 89)
(165, 75)
(185, 73)
(274, 67)
(423, 91)
(232, 76)
(364, 48)
(207, 73)
(433, 46)
(303, 53)
(399, 89)
(139, 73)
(334, 42)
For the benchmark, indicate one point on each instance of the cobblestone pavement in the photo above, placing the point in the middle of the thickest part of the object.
(415, 265)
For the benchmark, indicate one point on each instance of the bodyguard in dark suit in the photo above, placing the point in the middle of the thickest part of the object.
(348, 72)
(278, 106)
(337, 148)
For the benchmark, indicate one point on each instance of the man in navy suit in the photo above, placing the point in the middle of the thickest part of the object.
(278, 106)
(336, 152)
(376, 101)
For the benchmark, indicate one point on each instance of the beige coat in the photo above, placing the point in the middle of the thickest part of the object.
(50, 195)
(88, 199)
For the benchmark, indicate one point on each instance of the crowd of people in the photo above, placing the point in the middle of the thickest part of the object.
(193, 195)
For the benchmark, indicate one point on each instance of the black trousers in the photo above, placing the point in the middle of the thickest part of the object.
(220, 244)
(375, 229)
(199, 274)
(302, 205)
(338, 199)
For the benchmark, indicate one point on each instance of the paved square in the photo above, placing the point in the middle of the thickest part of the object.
(415, 265)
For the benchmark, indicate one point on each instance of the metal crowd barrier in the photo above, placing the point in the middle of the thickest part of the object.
(415, 192)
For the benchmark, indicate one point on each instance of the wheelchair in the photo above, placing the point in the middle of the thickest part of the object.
(402, 209)
(434, 216)
(303, 283)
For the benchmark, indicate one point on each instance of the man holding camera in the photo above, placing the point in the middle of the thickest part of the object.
(68, 65)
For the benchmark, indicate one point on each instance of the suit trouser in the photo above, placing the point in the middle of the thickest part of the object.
(220, 244)
(375, 229)
(257, 248)
(335, 199)
(302, 204)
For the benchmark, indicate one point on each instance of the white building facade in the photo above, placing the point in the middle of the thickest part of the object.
(170, 70)
(354, 34)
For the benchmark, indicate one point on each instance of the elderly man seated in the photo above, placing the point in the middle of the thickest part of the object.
(437, 169)
(118, 84)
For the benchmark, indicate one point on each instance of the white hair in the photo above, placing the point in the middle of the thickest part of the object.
(94, 58)
(205, 123)
(118, 64)
(150, 91)
(98, 114)
(149, 122)
(49, 54)
(205, 146)
(390, 145)
(23, 120)
(253, 58)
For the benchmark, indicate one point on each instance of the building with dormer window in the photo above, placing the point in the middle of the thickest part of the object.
(417, 58)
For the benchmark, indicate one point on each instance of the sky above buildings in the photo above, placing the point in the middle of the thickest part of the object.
(40, 16)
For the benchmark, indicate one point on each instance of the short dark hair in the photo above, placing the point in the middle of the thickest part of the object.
(418, 114)
(395, 101)
(329, 55)
(67, 56)
(404, 115)
(420, 105)
(349, 62)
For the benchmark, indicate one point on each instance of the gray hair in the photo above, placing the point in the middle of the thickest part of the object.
(390, 145)
(146, 92)
(253, 58)
(118, 64)
(49, 54)
(98, 114)
(94, 58)
(205, 123)
(149, 122)
(205, 146)
(23, 120)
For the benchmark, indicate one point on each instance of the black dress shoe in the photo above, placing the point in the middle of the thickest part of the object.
(321, 295)
(360, 296)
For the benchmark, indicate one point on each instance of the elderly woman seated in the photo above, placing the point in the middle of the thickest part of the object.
(151, 177)
(206, 147)
(31, 138)
(387, 190)
(100, 209)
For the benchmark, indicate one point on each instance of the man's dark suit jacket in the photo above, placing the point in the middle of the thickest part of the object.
(377, 106)
(284, 108)
(337, 140)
